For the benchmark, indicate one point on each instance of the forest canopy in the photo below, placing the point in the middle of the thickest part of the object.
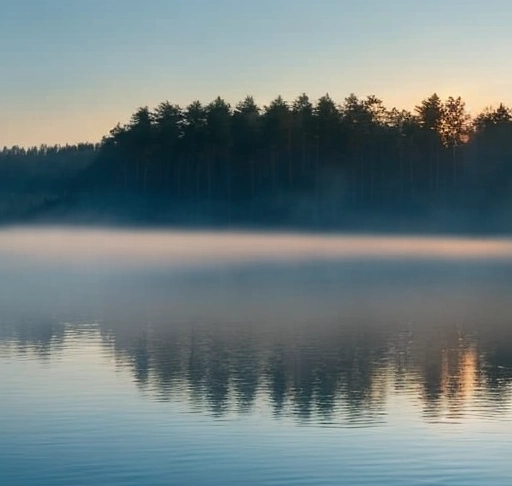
(289, 161)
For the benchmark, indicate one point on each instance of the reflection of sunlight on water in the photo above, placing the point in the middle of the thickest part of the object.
(469, 376)
(458, 380)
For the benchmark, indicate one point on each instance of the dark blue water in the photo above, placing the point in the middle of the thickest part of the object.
(152, 365)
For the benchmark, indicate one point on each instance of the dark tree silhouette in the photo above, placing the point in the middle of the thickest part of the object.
(304, 162)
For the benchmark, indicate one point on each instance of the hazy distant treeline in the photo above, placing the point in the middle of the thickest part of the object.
(32, 177)
(289, 157)
(29, 169)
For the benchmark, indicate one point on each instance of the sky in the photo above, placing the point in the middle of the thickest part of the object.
(72, 69)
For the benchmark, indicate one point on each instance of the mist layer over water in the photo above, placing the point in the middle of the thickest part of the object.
(133, 358)
(83, 246)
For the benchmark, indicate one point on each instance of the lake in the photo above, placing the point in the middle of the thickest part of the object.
(225, 358)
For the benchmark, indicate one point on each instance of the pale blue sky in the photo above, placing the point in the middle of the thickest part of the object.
(71, 69)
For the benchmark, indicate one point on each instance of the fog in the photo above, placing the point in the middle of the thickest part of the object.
(228, 276)
(180, 249)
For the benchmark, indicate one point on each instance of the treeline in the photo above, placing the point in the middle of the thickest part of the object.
(357, 154)
(44, 167)
(31, 178)
(289, 161)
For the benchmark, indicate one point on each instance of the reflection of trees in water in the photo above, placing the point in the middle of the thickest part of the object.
(455, 369)
(234, 367)
(321, 371)
(41, 338)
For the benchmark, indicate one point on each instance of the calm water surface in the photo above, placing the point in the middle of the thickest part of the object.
(153, 358)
